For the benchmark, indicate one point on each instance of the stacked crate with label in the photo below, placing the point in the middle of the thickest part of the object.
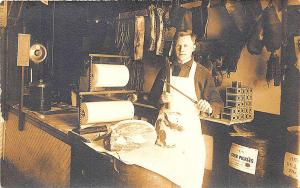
(238, 107)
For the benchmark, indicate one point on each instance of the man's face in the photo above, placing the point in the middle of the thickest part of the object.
(184, 48)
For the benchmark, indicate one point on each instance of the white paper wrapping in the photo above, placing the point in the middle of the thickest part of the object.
(131, 134)
(104, 75)
(106, 111)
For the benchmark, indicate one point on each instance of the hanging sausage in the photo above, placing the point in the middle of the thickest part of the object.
(255, 34)
(272, 40)
(255, 42)
(236, 10)
(219, 24)
(152, 28)
(159, 31)
(181, 19)
(272, 28)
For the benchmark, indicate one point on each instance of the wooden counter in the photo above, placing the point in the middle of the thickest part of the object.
(90, 168)
(41, 152)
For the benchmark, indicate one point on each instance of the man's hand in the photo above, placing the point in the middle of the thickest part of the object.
(204, 106)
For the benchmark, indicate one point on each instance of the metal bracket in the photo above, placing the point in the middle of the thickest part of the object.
(21, 113)
(5, 111)
(21, 120)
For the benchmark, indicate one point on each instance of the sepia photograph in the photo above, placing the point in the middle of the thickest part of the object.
(149, 94)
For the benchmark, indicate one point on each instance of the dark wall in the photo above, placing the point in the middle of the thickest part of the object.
(290, 97)
(69, 30)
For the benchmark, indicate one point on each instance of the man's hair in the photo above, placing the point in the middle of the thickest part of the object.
(181, 34)
(185, 33)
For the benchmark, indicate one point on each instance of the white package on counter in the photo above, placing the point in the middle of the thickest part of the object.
(105, 111)
(105, 75)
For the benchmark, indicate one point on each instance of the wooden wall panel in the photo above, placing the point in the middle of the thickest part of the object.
(36, 154)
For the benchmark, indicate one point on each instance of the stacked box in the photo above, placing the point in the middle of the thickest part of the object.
(238, 106)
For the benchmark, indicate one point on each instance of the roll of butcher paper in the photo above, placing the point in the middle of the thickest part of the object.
(105, 75)
(105, 111)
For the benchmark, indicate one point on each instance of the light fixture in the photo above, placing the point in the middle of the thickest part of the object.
(37, 53)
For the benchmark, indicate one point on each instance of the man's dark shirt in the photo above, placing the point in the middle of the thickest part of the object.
(204, 85)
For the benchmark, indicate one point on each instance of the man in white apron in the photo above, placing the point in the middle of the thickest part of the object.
(195, 82)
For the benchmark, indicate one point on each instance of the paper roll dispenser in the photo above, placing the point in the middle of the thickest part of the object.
(106, 75)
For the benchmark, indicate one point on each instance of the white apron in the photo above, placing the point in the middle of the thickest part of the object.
(190, 141)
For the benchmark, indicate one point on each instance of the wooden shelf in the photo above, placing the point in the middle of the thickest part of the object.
(127, 15)
(223, 121)
(145, 12)
(106, 92)
(108, 55)
(192, 4)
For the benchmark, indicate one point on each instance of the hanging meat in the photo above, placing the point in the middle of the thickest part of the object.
(255, 42)
(277, 71)
(237, 12)
(270, 68)
(274, 70)
(255, 32)
(272, 28)
(152, 28)
(219, 24)
(159, 31)
(181, 19)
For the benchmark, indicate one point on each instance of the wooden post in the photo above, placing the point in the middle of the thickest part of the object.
(22, 61)
(168, 78)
